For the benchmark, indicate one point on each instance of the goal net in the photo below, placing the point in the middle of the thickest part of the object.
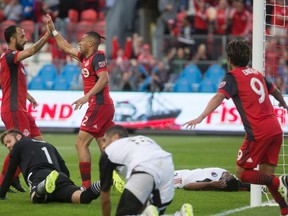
(270, 23)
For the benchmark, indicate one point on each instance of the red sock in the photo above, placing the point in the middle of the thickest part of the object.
(256, 177)
(278, 198)
(85, 172)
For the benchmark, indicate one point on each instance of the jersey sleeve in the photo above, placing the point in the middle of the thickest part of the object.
(228, 86)
(99, 63)
(11, 57)
(106, 171)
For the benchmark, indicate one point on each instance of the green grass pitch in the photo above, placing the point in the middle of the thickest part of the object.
(188, 152)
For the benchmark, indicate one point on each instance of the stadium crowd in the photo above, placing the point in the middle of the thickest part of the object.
(190, 33)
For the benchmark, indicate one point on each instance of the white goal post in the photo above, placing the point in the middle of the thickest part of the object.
(258, 62)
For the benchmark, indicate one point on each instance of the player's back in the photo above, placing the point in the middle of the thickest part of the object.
(253, 103)
(34, 155)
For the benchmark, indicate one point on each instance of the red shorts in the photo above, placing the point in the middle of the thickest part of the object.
(22, 121)
(252, 153)
(98, 119)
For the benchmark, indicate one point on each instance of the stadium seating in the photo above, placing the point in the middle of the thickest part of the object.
(193, 76)
(36, 83)
(4, 24)
(69, 71)
(73, 16)
(182, 85)
(29, 27)
(60, 83)
(48, 74)
(207, 85)
(215, 73)
(88, 15)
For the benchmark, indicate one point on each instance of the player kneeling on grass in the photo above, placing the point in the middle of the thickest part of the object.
(147, 168)
(44, 170)
(212, 178)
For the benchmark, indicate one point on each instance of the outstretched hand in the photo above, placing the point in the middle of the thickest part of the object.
(192, 124)
(79, 103)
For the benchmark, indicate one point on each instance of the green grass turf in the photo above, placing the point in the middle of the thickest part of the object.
(188, 152)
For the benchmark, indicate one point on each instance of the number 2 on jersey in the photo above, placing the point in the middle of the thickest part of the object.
(259, 89)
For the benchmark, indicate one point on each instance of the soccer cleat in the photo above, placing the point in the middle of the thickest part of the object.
(150, 211)
(186, 210)
(283, 186)
(118, 182)
(16, 184)
(50, 182)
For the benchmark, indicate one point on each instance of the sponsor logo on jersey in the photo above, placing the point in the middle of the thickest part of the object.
(102, 64)
(222, 84)
(240, 154)
(85, 72)
(95, 126)
(249, 160)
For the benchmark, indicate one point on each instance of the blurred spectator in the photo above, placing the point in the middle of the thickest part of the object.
(160, 76)
(126, 81)
(273, 53)
(13, 11)
(240, 19)
(61, 21)
(201, 21)
(27, 9)
(168, 10)
(127, 49)
(201, 55)
(279, 20)
(185, 36)
(145, 56)
(138, 43)
(51, 7)
(221, 21)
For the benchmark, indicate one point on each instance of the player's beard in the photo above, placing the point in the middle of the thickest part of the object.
(19, 46)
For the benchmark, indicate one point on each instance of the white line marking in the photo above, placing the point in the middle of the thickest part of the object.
(233, 211)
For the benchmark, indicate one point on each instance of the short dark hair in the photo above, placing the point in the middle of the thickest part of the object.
(12, 131)
(95, 35)
(238, 52)
(232, 185)
(117, 129)
(10, 31)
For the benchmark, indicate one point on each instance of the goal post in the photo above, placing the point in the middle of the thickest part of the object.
(258, 62)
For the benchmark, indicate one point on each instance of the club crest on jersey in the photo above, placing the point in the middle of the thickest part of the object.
(86, 63)
(222, 84)
(102, 64)
(214, 174)
(26, 132)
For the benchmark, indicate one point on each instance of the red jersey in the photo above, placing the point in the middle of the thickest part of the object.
(13, 82)
(240, 22)
(91, 67)
(221, 21)
(249, 91)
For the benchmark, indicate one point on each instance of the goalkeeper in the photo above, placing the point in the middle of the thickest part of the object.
(44, 171)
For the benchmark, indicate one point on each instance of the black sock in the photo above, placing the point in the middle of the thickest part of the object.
(93, 192)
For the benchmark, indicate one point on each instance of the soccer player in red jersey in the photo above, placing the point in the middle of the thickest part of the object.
(100, 112)
(14, 86)
(250, 90)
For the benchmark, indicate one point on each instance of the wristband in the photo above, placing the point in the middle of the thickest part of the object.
(54, 33)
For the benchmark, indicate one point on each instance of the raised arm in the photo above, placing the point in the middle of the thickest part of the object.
(34, 48)
(61, 42)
